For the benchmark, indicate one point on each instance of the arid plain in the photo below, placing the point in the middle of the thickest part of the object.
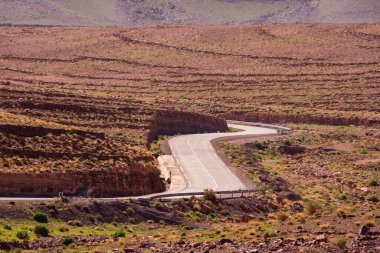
(81, 107)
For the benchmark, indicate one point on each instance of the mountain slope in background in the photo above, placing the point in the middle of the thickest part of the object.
(144, 12)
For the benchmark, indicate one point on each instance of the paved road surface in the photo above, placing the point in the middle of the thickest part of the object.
(199, 163)
(201, 166)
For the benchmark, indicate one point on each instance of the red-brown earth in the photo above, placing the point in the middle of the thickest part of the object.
(89, 100)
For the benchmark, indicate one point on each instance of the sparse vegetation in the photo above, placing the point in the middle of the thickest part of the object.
(118, 234)
(372, 198)
(299, 164)
(41, 230)
(210, 195)
(281, 216)
(129, 211)
(89, 110)
(259, 145)
(40, 217)
(7, 227)
(67, 241)
(269, 234)
(373, 183)
(22, 235)
(340, 242)
(312, 207)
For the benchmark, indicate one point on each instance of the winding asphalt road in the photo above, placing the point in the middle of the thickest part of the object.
(200, 164)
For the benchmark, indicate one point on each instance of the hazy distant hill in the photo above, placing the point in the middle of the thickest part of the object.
(144, 12)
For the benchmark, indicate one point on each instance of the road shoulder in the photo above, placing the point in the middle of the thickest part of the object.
(239, 140)
(169, 169)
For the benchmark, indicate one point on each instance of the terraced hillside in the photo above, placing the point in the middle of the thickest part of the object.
(87, 101)
(82, 144)
(136, 13)
(304, 73)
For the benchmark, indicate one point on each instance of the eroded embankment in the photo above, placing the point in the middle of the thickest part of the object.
(172, 122)
(138, 180)
(41, 162)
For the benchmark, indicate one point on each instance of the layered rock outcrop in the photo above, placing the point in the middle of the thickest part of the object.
(175, 122)
(37, 161)
(138, 180)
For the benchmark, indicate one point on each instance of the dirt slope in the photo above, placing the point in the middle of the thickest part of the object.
(136, 13)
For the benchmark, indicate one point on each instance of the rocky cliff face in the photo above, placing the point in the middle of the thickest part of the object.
(42, 161)
(138, 180)
(173, 122)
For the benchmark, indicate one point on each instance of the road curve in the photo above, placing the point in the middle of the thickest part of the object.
(199, 163)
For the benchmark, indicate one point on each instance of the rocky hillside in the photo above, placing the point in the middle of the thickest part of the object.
(82, 144)
(90, 99)
(143, 12)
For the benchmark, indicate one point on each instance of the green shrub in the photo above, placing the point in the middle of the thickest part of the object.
(41, 230)
(372, 198)
(7, 227)
(40, 217)
(119, 234)
(22, 235)
(340, 242)
(129, 211)
(209, 194)
(259, 145)
(67, 241)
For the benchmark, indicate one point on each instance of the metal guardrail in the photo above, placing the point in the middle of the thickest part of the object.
(238, 194)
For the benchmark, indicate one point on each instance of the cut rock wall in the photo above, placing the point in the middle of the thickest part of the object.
(175, 122)
(95, 184)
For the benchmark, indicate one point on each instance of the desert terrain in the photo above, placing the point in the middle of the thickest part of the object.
(81, 109)
(151, 13)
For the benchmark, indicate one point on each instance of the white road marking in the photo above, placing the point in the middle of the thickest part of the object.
(188, 182)
(225, 166)
(203, 167)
